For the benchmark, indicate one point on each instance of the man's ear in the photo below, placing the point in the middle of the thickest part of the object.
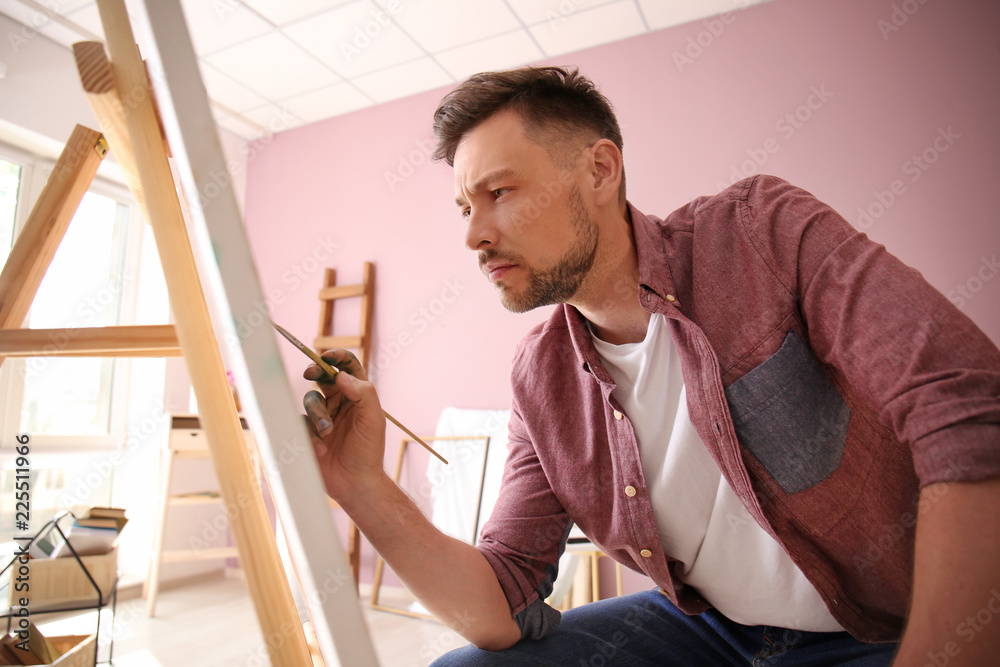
(607, 171)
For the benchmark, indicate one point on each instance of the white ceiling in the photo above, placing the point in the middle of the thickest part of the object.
(271, 65)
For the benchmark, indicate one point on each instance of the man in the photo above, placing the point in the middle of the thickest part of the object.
(789, 431)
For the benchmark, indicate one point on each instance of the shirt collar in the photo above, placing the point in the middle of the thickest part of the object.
(654, 275)
(651, 247)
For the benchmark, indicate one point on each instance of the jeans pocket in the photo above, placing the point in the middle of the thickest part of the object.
(788, 414)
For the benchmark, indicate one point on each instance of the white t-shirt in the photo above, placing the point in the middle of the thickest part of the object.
(733, 563)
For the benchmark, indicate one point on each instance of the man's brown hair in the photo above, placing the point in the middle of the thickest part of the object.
(555, 104)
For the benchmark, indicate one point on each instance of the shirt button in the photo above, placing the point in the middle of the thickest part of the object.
(670, 298)
(629, 491)
(645, 553)
(618, 415)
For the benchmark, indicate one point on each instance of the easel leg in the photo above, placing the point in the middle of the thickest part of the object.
(251, 528)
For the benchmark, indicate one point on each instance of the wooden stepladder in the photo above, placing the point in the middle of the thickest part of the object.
(133, 132)
(326, 340)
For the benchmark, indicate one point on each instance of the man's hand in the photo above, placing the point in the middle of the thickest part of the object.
(346, 424)
(955, 614)
(347, 427)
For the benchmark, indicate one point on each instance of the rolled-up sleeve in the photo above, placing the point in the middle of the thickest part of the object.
(526, 533)
(934, 375)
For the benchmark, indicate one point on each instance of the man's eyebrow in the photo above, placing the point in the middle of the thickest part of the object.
(486, 181)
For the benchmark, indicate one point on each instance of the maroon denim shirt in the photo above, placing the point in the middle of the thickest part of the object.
(828, 381)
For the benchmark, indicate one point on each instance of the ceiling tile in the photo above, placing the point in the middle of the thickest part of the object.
(532, 12)
(238, 125)
(661, 14)
(281, 12)
(227, 92)
(273, 118)
(89, 19)
(66, 6)
(272, 66)
(402, 80)
(589, 27)
(506, 51)
(41, 22)
(439, 25)
(333, 100)
(217, 25)
(26, 15)
(61, 34)
(356, 39)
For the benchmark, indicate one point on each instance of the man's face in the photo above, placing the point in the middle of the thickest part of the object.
(527, 219)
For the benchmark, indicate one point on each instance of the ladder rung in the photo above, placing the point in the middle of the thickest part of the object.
(333, 342)
(341, 291)
(199, 554)
(159, 340)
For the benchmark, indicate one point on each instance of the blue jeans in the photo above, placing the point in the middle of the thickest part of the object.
(647, 629)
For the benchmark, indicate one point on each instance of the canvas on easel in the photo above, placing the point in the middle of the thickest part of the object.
(135, 134)
(266, 393)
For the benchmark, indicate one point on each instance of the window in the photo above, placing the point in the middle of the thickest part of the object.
(66, 402)
(10, 180)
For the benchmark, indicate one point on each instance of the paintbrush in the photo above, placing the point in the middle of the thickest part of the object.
(332, 372)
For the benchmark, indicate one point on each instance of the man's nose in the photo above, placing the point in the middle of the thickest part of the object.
(481, 232)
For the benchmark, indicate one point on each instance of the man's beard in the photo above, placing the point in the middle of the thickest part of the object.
(559, 283)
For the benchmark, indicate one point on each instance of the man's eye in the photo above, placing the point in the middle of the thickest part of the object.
(500, 192)
(465, 212)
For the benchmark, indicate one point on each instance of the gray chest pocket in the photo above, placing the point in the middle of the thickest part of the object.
(789, 415)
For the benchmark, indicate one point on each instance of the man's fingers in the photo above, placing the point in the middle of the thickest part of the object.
(344, 360)
(315, 405)
(319, 445)
(316, 374)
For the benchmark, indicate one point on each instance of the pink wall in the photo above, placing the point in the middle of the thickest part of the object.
(880, 96)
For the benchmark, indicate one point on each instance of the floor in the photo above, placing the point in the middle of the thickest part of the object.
(212, 624)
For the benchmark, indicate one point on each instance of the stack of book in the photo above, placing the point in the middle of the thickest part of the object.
(94, 534)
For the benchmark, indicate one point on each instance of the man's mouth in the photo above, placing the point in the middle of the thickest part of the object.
(495, 270)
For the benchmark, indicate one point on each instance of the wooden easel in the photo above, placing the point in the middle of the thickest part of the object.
(268, 403)
(22, 275)
(121, 96)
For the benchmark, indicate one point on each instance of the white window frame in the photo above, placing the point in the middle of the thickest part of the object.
(35, 170)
